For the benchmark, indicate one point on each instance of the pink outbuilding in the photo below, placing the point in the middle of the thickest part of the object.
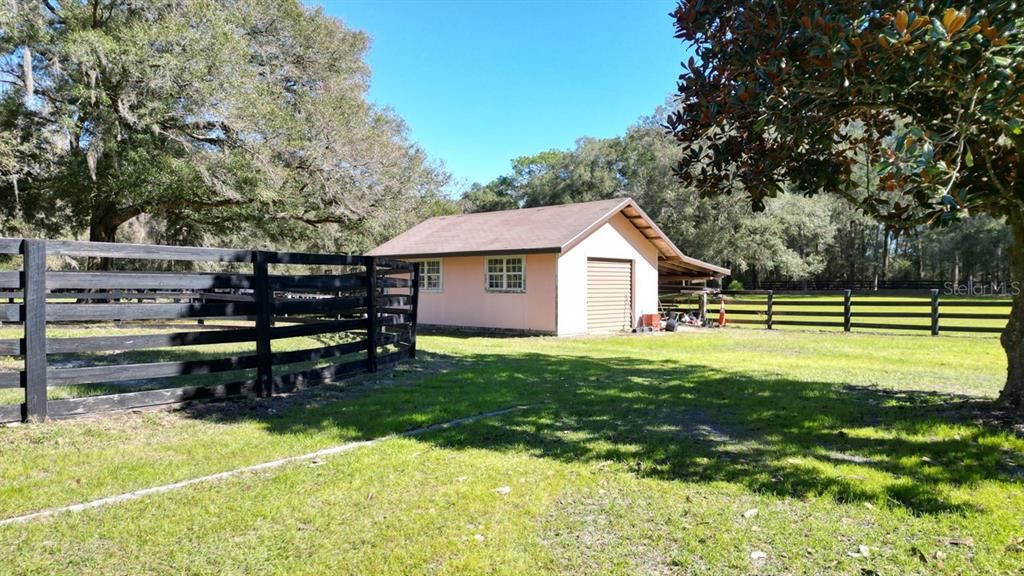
(586, 268)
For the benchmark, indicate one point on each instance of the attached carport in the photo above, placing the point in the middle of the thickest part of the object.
(675, 269)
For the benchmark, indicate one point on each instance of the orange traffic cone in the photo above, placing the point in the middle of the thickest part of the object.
(721, 313)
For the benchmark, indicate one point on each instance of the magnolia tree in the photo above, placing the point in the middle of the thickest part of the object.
(801, 94)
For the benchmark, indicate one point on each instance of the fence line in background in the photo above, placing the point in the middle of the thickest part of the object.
(872, 285)
(775, 309)
(370, 305)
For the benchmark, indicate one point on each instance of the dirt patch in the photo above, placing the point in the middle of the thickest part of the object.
(583, 535)
(407, 373)
(705, 427)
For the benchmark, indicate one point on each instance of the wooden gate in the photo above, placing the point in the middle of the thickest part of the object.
(361, 311)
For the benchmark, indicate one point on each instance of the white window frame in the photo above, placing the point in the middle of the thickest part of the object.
(440, 275)
(504, 274)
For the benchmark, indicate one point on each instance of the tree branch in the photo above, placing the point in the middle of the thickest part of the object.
(992, 173)
(49, 6)
(314, 221)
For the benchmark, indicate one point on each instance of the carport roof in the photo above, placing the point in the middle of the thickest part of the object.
(544, 229)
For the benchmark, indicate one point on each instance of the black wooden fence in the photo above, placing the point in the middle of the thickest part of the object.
(769, 309)
(855, 285)
(362, 312)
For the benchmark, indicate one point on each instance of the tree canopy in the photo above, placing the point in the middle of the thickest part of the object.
(206, 116)
(798, 94)
(794, 238)
(792, 92)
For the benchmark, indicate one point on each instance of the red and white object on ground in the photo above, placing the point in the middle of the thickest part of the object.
(651, 321)
(721, 313)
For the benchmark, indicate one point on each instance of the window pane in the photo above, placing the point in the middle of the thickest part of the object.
(514, 265)
(430, 275)
(515, 281)
(494, 281)
(495, 265)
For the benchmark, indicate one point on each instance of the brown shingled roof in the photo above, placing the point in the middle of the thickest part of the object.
(543, 229)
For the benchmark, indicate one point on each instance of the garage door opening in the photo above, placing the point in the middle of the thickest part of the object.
(609, 295)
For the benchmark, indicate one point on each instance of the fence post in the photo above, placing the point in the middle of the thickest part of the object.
(264, 309)
(935, 312)
(771, 297)
(33, 284)
(414, 318)
(371, 314)
(117, 300)
(703, 304)
(847, 310)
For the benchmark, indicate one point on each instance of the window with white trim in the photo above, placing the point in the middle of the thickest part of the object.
(506, 274)
(430, 275)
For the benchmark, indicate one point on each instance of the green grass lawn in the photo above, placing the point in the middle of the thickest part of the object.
(719, 452)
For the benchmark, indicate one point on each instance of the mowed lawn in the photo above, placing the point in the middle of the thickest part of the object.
(712, 452)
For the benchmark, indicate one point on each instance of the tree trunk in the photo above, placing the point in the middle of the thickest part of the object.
(851, 259)
(1013, 336)
(920, 256)
(103, 230)
(103, 227)
(956, 269)
(886, 239)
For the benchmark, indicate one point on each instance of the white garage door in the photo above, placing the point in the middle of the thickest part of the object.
(609, 295)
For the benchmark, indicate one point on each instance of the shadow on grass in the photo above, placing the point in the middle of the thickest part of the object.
(666, 420)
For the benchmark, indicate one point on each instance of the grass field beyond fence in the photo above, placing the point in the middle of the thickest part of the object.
(718, 452)
(825, 311)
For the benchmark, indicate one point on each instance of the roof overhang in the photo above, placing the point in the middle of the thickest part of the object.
(428, 255)
(671, 260)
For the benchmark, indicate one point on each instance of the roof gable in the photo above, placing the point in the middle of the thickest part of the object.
(543, 229)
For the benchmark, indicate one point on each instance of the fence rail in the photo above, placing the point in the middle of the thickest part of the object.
(770, 309)
(369, 307)
(871, 285)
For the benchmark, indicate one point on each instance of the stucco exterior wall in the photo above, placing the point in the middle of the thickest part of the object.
(464, 301)
(616, 239)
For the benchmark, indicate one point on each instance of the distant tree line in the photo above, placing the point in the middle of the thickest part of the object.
(796, 237)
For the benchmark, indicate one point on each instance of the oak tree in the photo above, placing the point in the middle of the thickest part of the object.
(236, 117)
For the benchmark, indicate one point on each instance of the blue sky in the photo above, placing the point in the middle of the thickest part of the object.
(480, 83)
